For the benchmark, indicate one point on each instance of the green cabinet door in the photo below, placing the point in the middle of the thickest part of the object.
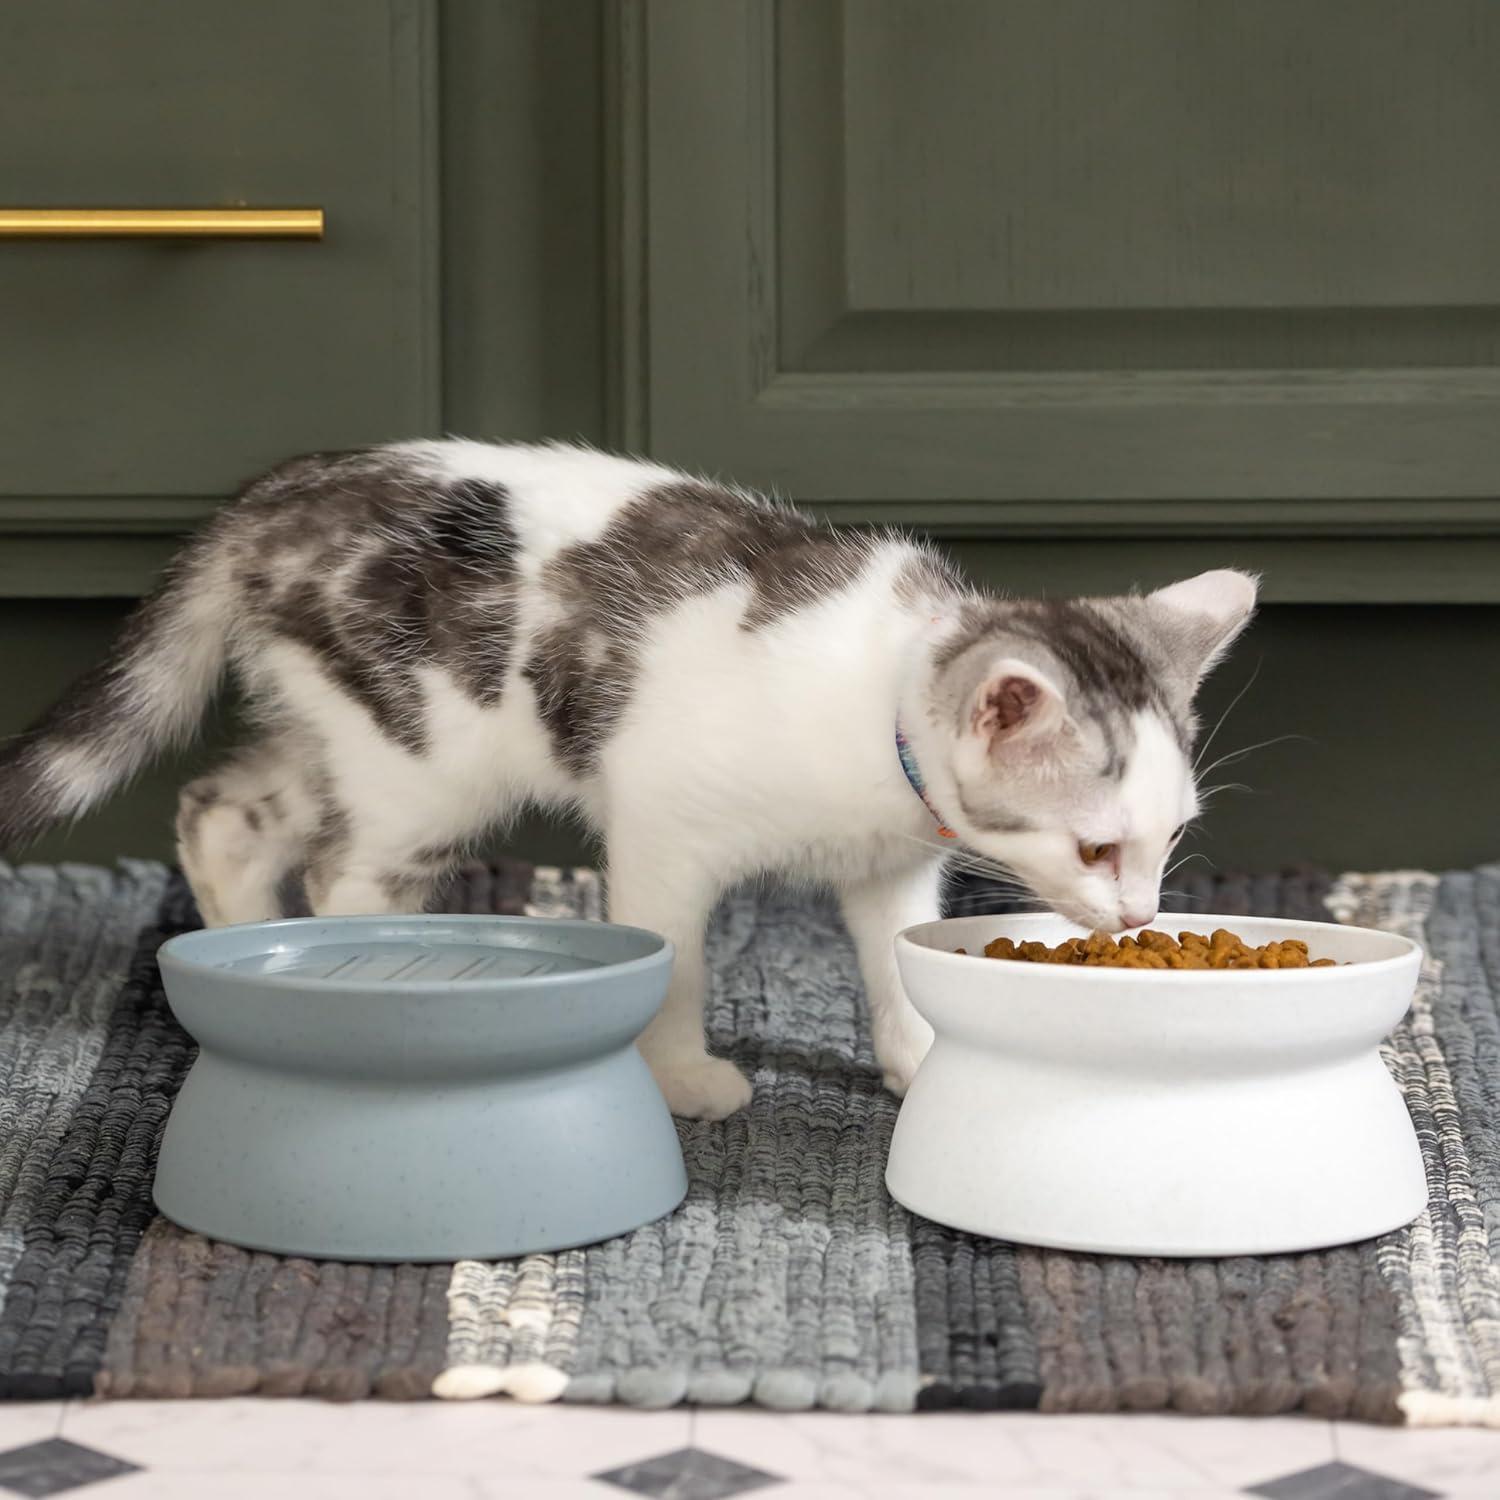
(143, 380)
(1056, 269)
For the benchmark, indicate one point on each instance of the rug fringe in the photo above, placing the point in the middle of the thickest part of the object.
(1431, 1409)
(532, 1383)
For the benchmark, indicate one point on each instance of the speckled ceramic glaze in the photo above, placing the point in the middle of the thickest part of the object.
(417, 1088)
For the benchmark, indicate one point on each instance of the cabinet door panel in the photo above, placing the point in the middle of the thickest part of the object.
(160, 373)
(1056, 266)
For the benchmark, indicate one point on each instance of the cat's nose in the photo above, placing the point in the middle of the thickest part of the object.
(1139, 916)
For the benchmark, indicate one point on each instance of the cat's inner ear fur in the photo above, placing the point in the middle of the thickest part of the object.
(1201, 616)
(1014, 703)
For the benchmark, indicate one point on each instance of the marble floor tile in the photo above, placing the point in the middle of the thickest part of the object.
(1455, 1461)
(1020, 1451)
(875, 1490)
(373, 1437)
(277, 1485)
(493, 1450)
(29, 1421)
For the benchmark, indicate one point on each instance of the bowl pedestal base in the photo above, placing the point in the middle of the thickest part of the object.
(339, 1169)
(1132, 1165)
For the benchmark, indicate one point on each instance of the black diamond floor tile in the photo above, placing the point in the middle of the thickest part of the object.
(56, 1465)
(688, 1474)
(1339, 1481)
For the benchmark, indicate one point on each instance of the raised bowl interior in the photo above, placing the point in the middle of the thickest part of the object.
(414, 952)
(1324, 939)
(397, 994)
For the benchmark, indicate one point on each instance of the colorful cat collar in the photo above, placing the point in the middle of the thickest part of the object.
(914, 776)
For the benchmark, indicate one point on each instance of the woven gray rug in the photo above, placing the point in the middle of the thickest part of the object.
(788, 1277)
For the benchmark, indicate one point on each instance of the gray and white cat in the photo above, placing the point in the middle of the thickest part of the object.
(433, 634)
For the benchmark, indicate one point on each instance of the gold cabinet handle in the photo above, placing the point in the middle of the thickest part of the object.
(161, 223)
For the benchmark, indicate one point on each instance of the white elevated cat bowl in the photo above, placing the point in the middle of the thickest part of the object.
(1151, 1112)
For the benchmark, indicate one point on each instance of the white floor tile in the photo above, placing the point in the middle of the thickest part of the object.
(308, 1450)
(24, 1422)
(279, 1486)
(524, 1487)
(289, 1486)
(867, 1490)
(1177, 1455)
(1453, 1460)
(375, 1438)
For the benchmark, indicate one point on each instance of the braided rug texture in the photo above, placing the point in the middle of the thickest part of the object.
(788, 1277)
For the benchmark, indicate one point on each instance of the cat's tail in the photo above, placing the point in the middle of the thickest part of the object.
(150, 694)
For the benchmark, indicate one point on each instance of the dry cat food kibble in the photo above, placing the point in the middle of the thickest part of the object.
(1150, 949)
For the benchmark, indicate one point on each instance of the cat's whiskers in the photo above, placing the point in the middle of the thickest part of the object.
(1232, 756)
(1175, 867)
(995, 873)
(970, 860)
(1225, 786)
(973, 901)
(998, 883)
(1249, 683)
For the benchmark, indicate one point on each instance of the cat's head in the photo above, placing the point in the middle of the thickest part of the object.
(1064, 734)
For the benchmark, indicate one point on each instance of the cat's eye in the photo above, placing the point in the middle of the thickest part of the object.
(1096, 854)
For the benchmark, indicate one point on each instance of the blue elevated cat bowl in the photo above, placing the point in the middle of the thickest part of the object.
(417, 1088)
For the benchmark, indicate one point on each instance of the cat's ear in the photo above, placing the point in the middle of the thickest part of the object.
(1203, 615)
(1015, 702)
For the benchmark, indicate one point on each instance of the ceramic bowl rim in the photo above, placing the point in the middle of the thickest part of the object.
(1079, 974)
(178, 952)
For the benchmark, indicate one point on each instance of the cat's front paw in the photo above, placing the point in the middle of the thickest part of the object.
(702, 1087)
(900, 1051)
